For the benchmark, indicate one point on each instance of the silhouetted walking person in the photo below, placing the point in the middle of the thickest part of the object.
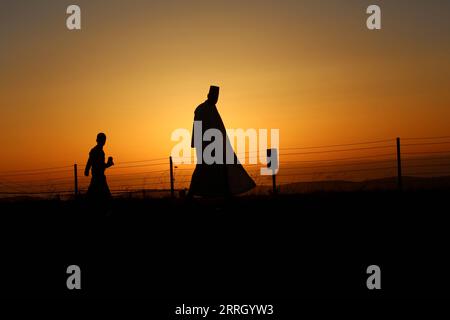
(217, 179)
(98, 188)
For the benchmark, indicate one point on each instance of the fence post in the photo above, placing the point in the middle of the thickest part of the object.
(399, 166)
(75, 175)
(271, 163)
(171, 178)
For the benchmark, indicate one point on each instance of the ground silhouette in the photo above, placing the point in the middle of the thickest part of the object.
(284, 247)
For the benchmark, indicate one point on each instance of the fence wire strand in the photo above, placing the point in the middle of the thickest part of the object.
(124, 177)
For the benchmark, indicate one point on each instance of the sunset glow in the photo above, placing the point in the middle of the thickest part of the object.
(137, 73)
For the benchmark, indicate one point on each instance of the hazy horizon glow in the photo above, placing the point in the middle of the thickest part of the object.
(138, 69)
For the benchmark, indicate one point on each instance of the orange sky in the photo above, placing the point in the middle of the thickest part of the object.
(138, 69)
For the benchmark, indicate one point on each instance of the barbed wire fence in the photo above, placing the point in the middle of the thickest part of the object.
(302, 169)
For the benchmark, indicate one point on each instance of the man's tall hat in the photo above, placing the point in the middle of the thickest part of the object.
(214, 91)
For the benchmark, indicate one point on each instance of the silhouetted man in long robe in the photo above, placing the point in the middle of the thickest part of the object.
(216, 179)
(98, 190)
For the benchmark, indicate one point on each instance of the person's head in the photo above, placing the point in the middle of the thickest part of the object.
(213, 95)
(101, 139)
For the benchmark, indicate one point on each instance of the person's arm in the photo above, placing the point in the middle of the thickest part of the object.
(88, 167)
(110, 163)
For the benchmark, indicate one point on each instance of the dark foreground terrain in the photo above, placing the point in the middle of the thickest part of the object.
(252, 249)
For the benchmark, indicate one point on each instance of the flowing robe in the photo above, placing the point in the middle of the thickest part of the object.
(216, 179)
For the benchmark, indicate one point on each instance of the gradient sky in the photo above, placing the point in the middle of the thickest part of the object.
(138, 69)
